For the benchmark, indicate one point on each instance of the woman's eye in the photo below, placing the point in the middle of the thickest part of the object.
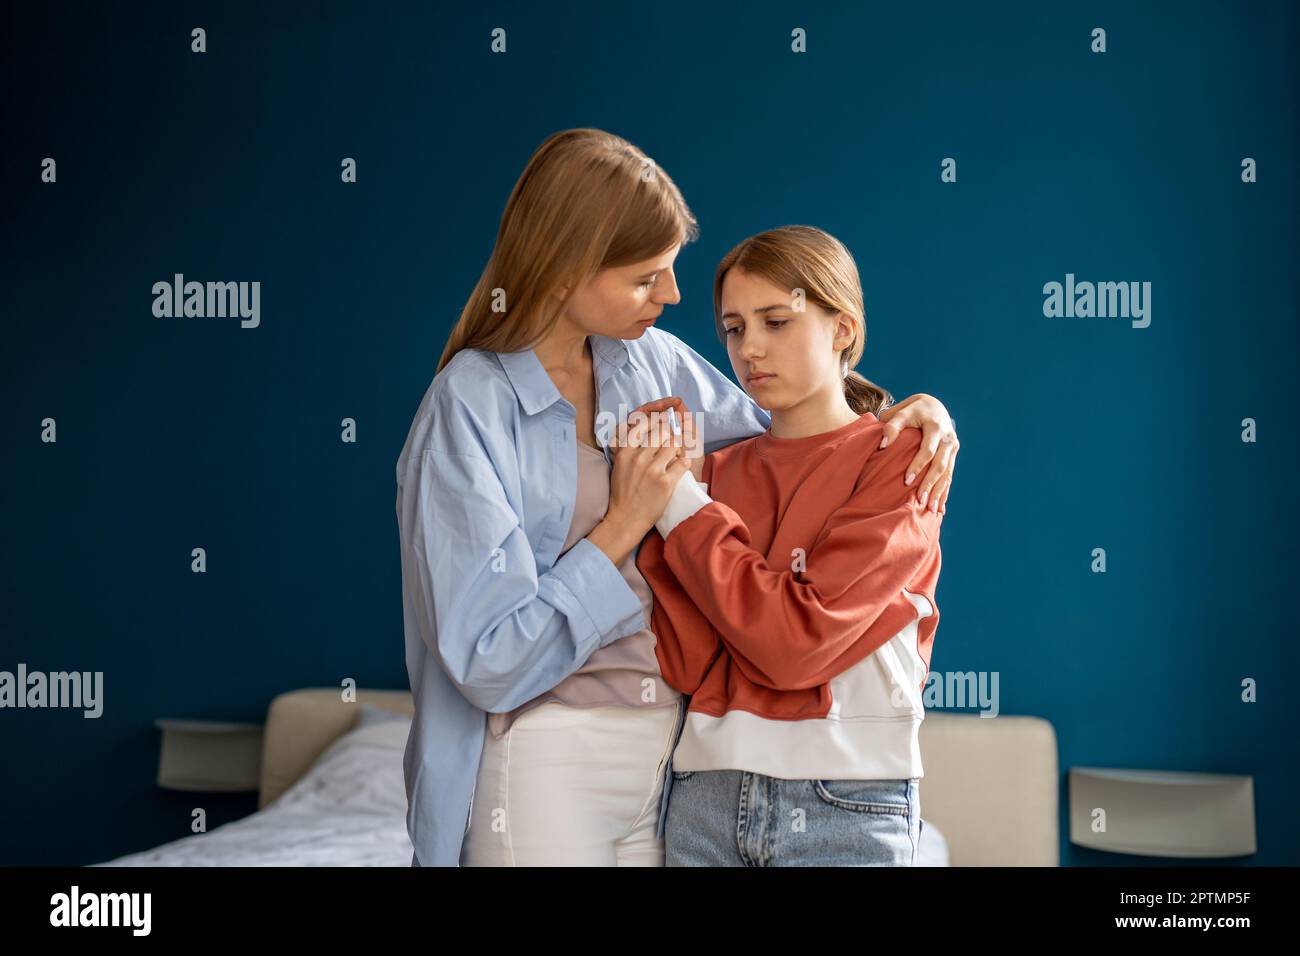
(647, 284)
(734, 328)
(777, 323)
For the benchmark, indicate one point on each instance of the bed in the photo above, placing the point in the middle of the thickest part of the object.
(331, 790)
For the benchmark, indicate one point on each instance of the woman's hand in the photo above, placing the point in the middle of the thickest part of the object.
(939, 445)
(649, 460)
(687, 439)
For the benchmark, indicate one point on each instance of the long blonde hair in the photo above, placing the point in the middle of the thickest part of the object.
(804, 257)
(587, 200)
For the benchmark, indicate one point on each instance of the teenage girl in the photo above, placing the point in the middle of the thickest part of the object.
(794, 588)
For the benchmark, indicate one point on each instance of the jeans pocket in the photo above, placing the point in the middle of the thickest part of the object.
(866, 796)
(683, 774)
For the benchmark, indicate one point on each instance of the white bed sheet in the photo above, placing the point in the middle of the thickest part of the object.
(348, 810)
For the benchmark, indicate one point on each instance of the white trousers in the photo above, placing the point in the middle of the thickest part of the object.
(572, 786)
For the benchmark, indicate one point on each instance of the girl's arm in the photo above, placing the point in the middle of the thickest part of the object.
(793, 630)
(685, 642)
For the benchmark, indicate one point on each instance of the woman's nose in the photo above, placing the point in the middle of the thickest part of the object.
(667, 291)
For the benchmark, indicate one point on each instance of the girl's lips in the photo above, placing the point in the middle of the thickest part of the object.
(760, 379)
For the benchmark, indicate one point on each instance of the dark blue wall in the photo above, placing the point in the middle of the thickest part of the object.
(1076, 433)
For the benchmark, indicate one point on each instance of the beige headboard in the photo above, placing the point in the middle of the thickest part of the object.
(991, 787)
(990, 784)
(300, 724)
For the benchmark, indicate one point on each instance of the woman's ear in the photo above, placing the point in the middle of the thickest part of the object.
(560, 295)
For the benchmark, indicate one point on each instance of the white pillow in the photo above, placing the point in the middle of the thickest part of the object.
(360, 772)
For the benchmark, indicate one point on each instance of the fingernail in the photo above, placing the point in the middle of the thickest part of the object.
(885, 441)
(909, 478)
(924, 494)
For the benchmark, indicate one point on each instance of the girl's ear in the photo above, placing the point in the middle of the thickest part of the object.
(844, 329)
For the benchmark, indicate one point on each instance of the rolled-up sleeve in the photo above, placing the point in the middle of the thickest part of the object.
(502, 632)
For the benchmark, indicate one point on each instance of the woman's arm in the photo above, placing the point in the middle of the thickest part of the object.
(726, 413)
(795, 630)
(503, 633)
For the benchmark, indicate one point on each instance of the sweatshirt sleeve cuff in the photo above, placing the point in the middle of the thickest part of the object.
(688, 497)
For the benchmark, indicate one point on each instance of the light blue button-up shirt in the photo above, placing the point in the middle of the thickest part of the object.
(486, 488)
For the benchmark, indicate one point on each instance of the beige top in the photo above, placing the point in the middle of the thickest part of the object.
(625, 673)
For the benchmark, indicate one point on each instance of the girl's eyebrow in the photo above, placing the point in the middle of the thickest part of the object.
(765, 309)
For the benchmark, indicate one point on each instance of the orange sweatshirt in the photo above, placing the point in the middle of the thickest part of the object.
(794, 601)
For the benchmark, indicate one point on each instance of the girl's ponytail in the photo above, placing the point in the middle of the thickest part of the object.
(865, 396)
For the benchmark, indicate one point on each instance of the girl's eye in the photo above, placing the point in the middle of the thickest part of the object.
(772, 323)
(648, 283)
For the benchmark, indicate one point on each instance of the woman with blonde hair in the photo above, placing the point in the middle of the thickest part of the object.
(543, 729)
(795, 588)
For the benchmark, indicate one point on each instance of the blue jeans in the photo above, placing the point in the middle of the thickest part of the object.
(738, 818)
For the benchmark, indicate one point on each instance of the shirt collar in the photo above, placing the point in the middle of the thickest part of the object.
(533, 385)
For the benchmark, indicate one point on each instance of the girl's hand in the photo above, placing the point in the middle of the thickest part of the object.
(689, 440)
(939, 445)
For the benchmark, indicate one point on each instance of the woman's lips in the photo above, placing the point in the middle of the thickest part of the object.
(760, 379)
